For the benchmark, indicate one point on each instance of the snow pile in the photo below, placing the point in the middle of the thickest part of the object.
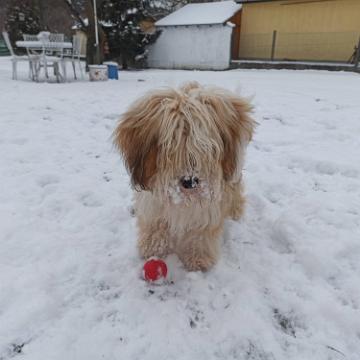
(287, 284)
(201, 14)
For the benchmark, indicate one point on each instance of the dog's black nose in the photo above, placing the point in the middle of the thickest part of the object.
(189, 182)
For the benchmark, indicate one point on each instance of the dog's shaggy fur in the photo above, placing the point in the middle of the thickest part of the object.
(184, 149)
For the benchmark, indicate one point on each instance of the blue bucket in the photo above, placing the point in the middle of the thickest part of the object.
(112, 70)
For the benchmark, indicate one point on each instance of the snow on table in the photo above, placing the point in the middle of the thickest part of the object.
(44, 44)
(287, 284)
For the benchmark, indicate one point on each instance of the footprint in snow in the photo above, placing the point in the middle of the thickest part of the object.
(282, 233)
(196, 316)
(286, 322)
(89, 199)
(325, 168)
(112, 116)
(47, 179)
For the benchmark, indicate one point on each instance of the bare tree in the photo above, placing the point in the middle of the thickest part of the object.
(3, 4)
(83, 12)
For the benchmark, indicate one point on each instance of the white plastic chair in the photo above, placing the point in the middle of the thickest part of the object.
(56, 37)
(31, 59)
(28, 37)
(47, 60)
(32, 52)
(77, 55)
(79, 43)
(57, 60)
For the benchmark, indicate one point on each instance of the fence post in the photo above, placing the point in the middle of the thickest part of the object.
(357, 56)
(273, 45)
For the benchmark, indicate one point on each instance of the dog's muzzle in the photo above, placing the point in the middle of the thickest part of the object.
(189, 182)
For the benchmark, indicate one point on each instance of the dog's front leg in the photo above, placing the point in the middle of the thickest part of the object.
(234, 200)
(153, 238)
(199, 249)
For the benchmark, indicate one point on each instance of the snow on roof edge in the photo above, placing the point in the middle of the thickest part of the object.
(201, 14)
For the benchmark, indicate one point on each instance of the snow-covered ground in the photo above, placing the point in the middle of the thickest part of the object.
(288, 283)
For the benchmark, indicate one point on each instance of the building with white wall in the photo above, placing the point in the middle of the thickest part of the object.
(197, 36)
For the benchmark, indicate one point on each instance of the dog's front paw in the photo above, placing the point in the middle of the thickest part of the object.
(236, 211)
(196, 262)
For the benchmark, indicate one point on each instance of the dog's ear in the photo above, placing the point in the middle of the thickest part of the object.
(235, 125)
(137, 140)
(236, 135)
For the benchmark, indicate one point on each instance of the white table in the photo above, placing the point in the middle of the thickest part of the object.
(47, 45)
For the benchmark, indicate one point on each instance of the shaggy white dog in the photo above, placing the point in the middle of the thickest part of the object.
(184, 149)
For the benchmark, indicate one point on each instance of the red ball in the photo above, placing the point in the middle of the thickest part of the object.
(154, 269)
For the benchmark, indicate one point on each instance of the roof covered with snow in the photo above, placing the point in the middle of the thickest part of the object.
(201, 14)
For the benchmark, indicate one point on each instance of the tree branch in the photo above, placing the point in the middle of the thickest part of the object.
(75, 13)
